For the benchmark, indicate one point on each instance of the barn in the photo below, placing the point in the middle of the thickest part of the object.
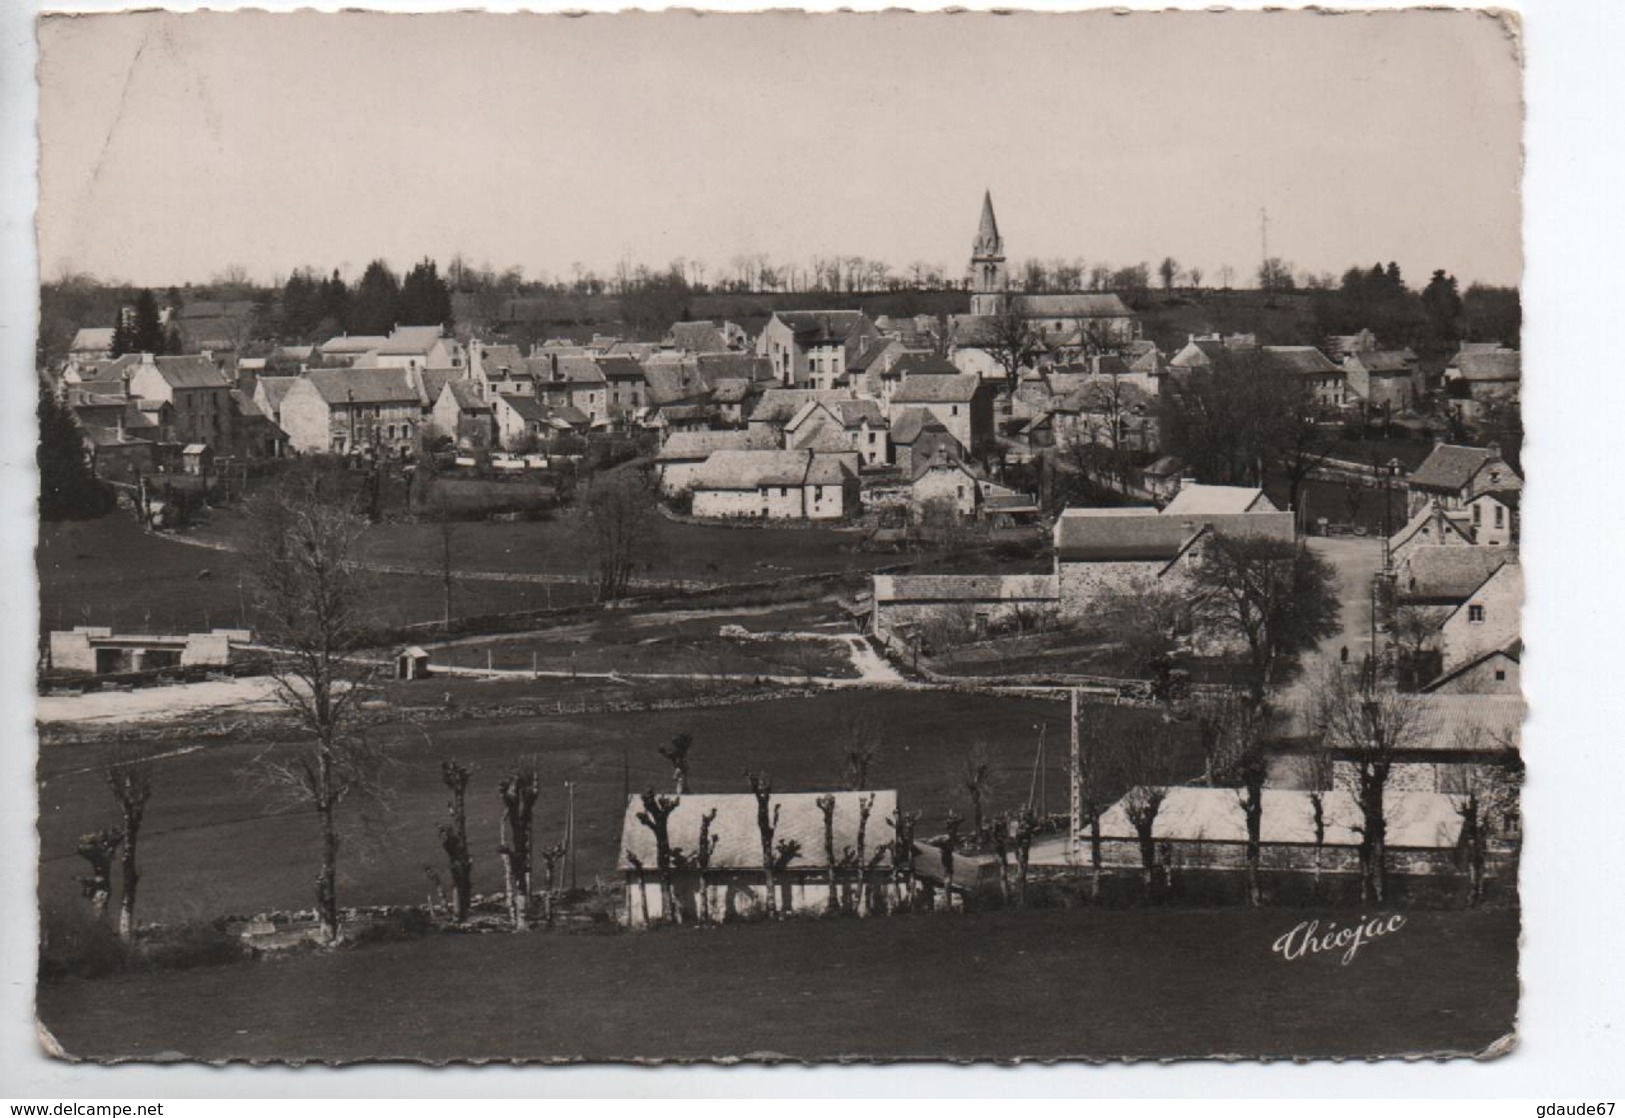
(733, 884)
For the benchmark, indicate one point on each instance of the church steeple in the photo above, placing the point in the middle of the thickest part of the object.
(987, 275)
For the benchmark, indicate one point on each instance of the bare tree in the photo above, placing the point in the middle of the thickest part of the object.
(860, 735)
(98, 849)
(614, 526)
(1318, 775)
(129, 775)
(643, 889)
(949, 844)
(1146, 770)
(767, 823)
(309, 594)
(655, 816)
(1243, 763)
(826, 806)
(1486, 799)
(1368, 729)
(454, 837)
(998, 837)
(975, 776)
(903, 824)
(519, 793)
(1098, 776)
(861, 858)
(677, 754)
(1025, 827)
(1010, 339)
(702, 862)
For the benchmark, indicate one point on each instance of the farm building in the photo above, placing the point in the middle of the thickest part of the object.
(1205, 828)
(734, 883)
(97, 649)
(961, 606)
(775, 485)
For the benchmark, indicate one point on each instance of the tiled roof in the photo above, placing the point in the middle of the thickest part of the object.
(529, 408)
(1416, 820)
(697, 337)
(572, 369)
(1099, 536)
(1206, 500)
(1168, 466)
(1450, 468)
(739, 843)
(779, 405)
(825, 326)
(92, 339)
(1082, 305)
(1447, 572)
(364, 386)
(909, 424)
(465, 397)
(752, 469)
(275, 389)
(937, 388)
(1303, 359)
(1502, 365)
(731, 390)
(357, 343)
(696, 446)
(1385, 360)
(714, 366)
(1100, 394)
(923, 364)
(191, 372)
(495, 358)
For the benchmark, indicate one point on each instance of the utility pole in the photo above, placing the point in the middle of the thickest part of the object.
(570, 828)
(1076, 824)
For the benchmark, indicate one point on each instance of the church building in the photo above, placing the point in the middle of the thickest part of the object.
(1067, 326)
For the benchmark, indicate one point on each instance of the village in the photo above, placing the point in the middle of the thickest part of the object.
(1033, 604)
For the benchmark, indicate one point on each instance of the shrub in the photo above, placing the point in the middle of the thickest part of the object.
(74, 944)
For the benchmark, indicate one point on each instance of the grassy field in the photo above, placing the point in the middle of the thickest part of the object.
(212, 846)
(110, 572)
(1143, 983)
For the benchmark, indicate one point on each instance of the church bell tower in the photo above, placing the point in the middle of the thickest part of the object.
(987, 274)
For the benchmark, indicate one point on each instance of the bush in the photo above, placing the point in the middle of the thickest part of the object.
(393, 927)
(189, 945)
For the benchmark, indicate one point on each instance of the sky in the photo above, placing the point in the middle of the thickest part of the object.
(176, 145)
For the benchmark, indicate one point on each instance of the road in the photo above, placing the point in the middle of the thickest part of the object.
(1356, 560)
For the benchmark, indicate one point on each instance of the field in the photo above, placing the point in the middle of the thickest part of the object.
(212, 846)
(1045, 984)
(110, 572)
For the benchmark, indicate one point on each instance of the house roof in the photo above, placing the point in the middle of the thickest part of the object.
(714, 366)
(1140, 534)
(697, 337)
(92, 339)
(1451, 468)
(923, 364)
(870, 353)
(357, 343)
(620, 368)
(1305, 359)
(1424, 516)
(752, 469)
(1078, 305)
(1503, 583)
(779, 405)
(528, 408)
(1447, 572)
(964, 588)
(572, 369)
(275, 389)
(1167, 466)
(1205, 500)
(410, 341)
(1416, 820)
(1500, 365)
(1381, 361)
(436, 379)
(191, 372)
(1512, 651)
(811, 327)
(494, 358)
(364, 386)
(1103, 394)
(937, 388)
(465, 397)
(245, 405)
(670, 381)
(697, 446)
(739, 842)
(853, 413)
(731, 390)
(908, 424)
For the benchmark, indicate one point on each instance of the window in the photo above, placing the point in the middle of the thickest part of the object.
(1475, 614)
(954, 410)
(818, 492)
(871, 436)
(1500, 513)
(1478, 515)
(1500, 675)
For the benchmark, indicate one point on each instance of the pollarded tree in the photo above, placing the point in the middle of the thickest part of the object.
(454, 837)
(1025, 826)
(949, 844)
(767, 824)
(519, 793)
(129, 775)
(826, 806)
(655, 816)
(1242, 762)
(677, 754)
(860, 738)
(861, 857)
(975, 776)
(98, 849)
(1367, 729)
(1099, 776)
(702, 861)
(903, 825)
(310, 609)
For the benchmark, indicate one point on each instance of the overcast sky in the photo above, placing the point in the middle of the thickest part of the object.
(174, 145)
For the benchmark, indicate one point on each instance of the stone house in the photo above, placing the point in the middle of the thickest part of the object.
(1476, 379)
(1194, 499)
(918, 437)
(1385, 380)
(1488, 617)
(577, 381)
(498, 368)
(1306, 365)
(775, 485)
(684, 453)
(353, 411)
(734, 884)
(961, 403)
(1496, 672)
(1428, 527)
(415, 347)
(461, 414)
(813, 348)
(1444, 575)
(964, 607)
(520, 422)
(778, 406)
(1492, 517)
(1453, 475)
(197, 389)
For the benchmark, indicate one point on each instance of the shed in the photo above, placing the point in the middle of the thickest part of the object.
(411, 663)
(197, 458)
